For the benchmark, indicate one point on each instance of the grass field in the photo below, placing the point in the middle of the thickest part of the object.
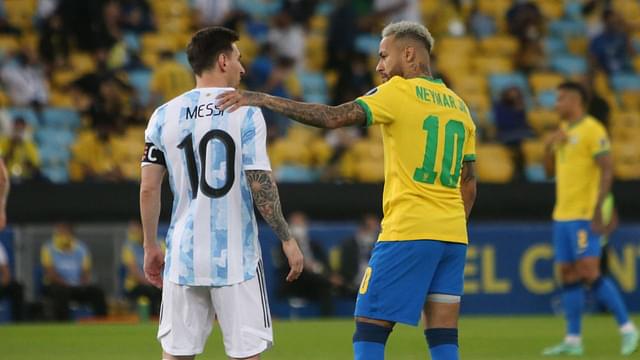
(494, 338)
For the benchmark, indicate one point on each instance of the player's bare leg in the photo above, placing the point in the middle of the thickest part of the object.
(166, 356)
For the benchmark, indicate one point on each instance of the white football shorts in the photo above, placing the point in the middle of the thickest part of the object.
(242, 310)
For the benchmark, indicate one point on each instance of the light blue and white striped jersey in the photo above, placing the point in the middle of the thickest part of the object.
(213, 236)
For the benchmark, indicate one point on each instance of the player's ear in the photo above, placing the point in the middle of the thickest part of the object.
(222, 61)
(409, 53)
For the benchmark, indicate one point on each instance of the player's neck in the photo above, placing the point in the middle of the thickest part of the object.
(576, 117)
(207, 80)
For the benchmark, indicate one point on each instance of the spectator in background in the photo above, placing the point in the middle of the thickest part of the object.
(67, 273)
(511, 123)
(136, 285)
(9, 288)
(397, 10)
(611, 50)
(97, 155)
(316, 281)
(354, 78)
(597, 106)
(25, 80)
(54, 42)
(211, 12)
(342, 32)
(169, 79)
(525, 21)
(481, 24)
(136, 16)
(287, 38)
(530, 56)
(301, 10)
(20, 153)
(356, 251)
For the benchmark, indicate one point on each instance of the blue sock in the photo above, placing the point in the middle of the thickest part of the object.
(443, 343)
(573, 303)
(369, 341)
(607, 293)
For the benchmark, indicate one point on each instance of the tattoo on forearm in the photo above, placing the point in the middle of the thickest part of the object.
(318, 115)
(267, 200)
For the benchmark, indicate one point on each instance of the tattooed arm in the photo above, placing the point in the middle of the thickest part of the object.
(267, 200)
(318, 115)
(468, 186)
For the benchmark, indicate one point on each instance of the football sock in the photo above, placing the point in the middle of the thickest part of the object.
(369, 341)
(572, 303)
(443, 343)
(607, 293)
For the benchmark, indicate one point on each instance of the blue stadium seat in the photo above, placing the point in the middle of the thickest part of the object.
(547, 99)
(297, 174)
(47, 136)
(499, 82)
(132, 41)
(625, 81)
(367, 44)
(573, 9)
(58, 174)
(568, 28)
(555, 46)
(61, 118)
(314, 87)
(29, 115)
(569, 64)
(140, 80)
(51, 154)
(181, 57)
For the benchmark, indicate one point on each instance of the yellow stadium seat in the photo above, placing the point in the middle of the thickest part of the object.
(543, 120)
(168, 9)
(545, 81)
(626, 119)
(61, 78)
(493, 65)
(499, 45)
(156, 42)
(626, 160)
(479, 103)
(20, 13)
(4, 99)
(456, 45)
(630, 10)
(533, 150)
(630, 100)
(9, 44)
(624, 133)
(315, 52)
(82, 62)
(469, 83)
(319, 23)
(578, 45)
(60, 99)
(454, 64)
(496, 8)
(636, 63)
(495, 164)
(551, 9)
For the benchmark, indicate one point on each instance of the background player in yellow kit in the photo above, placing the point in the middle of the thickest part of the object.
(429, 147)
(578, 154)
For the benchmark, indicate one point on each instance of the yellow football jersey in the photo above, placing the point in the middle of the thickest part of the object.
(577, 173)
(427, 134)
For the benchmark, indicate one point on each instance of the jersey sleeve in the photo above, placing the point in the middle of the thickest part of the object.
(153, 150)
(598, 142)
(469, 150)
(379, 102)
(254, 141)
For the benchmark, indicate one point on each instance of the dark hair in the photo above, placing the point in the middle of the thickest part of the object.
(207, 44)
(577, 88)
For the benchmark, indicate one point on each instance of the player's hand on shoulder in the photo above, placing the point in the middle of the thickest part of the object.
(295, 258)
(234, 99)
(153, 264)
(557, 137)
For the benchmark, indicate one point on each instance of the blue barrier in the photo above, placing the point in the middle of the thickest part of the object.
(509, 267)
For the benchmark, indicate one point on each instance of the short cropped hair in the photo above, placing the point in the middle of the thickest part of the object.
(207, 44)
(410, 30)
(577, 88)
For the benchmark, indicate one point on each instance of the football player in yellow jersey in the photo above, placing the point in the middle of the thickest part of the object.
(429, 148)
(578, 154)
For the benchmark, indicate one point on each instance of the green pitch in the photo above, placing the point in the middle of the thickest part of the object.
(495, 338)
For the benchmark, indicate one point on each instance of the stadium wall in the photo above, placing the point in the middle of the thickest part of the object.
(508, 270)
(108, 202)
